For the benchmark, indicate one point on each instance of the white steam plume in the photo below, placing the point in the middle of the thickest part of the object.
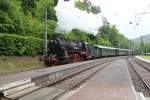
(70, 17)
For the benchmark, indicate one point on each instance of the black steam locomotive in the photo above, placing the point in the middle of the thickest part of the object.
(61, 51)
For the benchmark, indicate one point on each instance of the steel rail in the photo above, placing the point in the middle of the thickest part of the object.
(145, 83)
(58, 96)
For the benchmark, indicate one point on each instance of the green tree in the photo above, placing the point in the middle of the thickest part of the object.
(93, 38)
(95, 9)
(28, 6)
(104, 30)
(109, 35)
(28, 24)
(123, 42)
(26, 18)
(10, 16)
(88, 7)
(6, 24)
(55, 2)
(81, 5)
(32, 26)
(114, 36)
(78, 35)
(51, 27)
(104, 42)
(40, 10)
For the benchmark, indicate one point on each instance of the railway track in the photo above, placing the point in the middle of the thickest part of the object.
(142, 63)
(56, 83)
(64, 86)
(76, 81)
(143, 73)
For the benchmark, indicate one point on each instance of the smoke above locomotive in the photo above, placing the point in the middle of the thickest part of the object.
(69, 17)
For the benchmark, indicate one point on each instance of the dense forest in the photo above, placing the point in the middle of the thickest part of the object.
(22, 27)
(25, 17)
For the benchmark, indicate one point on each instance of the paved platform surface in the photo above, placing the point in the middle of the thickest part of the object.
(111, 83)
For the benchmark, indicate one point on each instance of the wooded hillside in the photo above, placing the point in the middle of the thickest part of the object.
(24, 18)
(22, 27)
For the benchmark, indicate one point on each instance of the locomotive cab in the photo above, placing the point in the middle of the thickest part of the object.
(57, 52)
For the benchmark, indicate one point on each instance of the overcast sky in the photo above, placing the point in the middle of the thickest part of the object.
(118, 12)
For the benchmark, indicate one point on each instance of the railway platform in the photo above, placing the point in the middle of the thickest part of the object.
(111, 83)
(27, 75)
(142, 59)
(20, 84)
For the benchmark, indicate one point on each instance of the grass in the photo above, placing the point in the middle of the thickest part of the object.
(9, 65)
(146, 57)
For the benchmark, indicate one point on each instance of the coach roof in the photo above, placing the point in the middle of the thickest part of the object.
(104, 47)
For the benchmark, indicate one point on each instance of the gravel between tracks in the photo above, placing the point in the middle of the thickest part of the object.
(137, 82)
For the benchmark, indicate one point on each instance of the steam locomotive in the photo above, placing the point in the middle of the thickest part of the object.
(61, 51)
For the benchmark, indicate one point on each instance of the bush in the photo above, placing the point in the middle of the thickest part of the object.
(11, 44)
